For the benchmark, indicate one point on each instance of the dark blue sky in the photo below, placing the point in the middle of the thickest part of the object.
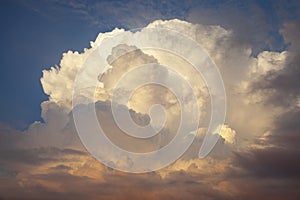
(34, 34)
(30, 43)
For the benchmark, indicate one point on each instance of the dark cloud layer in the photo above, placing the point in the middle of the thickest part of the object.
(271, 163)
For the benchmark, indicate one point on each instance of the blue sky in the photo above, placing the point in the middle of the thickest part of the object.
(32, 42)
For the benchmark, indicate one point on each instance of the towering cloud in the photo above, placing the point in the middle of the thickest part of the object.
(259, 139)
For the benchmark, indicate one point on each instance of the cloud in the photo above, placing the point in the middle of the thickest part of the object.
(49, 160)
(228, 134)
(271, 163)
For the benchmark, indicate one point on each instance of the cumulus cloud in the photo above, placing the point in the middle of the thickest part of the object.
(263, 97)
(228, 134)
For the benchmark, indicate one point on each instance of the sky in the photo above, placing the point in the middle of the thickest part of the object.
(254, 45)
(46, 29)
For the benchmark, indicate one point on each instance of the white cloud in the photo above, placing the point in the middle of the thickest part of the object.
(228, 134)
(235, 62)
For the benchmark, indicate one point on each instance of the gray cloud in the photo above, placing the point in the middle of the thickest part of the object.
(271, 163)
(276, 160)
(283, 85)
